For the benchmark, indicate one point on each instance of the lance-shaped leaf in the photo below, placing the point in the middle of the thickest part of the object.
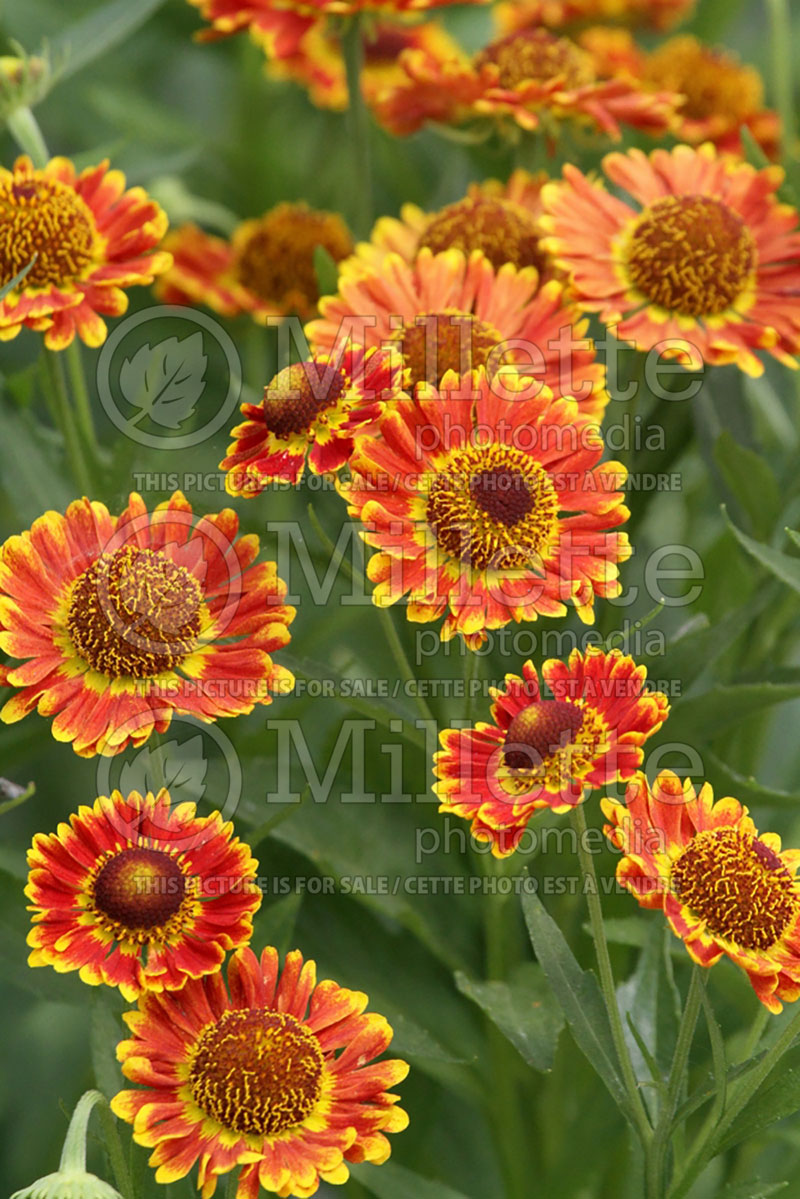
(524, 1010)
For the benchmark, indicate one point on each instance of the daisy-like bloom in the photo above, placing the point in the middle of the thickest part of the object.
(87, 238)
(122, 620)
(487, 503)
(447, 311)
(726, 889)
(277, 1077)
(548, 753)
(311, 412)
(140, 895)
(704, 255)
(266, 269)
(530, 78)
(658, 14)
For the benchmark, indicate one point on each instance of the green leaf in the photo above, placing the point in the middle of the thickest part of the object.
(98, 32)
(274, 923)
(391, 1181)
(747, 789)
(751, 481)
(703, 717)
(777, 1098)
(781, 565)
(523, 1009)
(106, 1031)
(577, 993)
(31, 461)
(12, 283)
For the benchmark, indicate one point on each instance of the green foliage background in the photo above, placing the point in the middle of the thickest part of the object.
(485, 1121)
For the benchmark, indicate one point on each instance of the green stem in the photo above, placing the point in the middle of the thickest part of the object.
(116, 1156)
(741, 1095)
(781, 50)
(403, 664)
(661, 1135)
(358, 129)
(757, 1029)
(58, 401)
(471, 673)
(73, 1155)
(80, 395)
(639, 1115)
(24, 128)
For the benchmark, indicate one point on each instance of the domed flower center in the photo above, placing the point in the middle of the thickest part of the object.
(47, 218)
(435, 342)
(539, 731)
(504, 231)
(299, 394)
(275, 255)
(535, 54)
(714, 85)
(691, 254)
(494, 508)
(140, 888)
(257, 1071)
(738, 885)
(134, 613)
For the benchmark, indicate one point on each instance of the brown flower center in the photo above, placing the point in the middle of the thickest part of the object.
(714, 84)
(47, 218)
(494, 508)
(691, 254)
(134, 613)
(275, 255)
(437, 342)
(535, 54)
(257, 1072)
(738, 885)
(504, 231)
(299, 395)
(539, 731)
(140, 888)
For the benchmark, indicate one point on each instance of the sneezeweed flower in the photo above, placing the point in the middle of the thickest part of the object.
(140, 895)
(487, 503)
(447, 311)
(87, 239)
(311, 413)
(278, 1078)
(266, 269)
(725, 889)
(542, 752)
(705, 257)
(528, 79)
(123, 620)
(72, 1180)
(659, 14)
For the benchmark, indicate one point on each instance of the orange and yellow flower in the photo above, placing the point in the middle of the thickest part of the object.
(83, 238)
(266, 269)
(311, 413)
(274, 1074)
(548, 753)
(140, 895)
(123, 620)
(725, 889)
(487, 503)
(531, 78)
(702, 261)
(658, 14)
(447, 311)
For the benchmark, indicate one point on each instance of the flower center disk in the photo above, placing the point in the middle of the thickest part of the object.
(46, 218)
(539, 56)
(494, 508)
(299, 394)
(134, 613)
(737, 885)
(140, 888)
(539, 731)
(691, 254)
(713, 85)
(437, 342)
(257, 1072)
(505, 232)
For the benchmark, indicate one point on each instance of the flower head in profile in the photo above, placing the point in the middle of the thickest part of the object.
(703, 255)
(542, 752)
(122, 620)
(275, 1077)
(726, 889)
(72, 1180)
(266, 268)
(449, 311)
(139, 894)
(80, 240)
(311, 413)
(488, 503)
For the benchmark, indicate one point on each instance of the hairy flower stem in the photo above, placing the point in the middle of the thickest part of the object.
(80, 397)
(781, 53)
(24, 128)
(58, 401)
(358, 129)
